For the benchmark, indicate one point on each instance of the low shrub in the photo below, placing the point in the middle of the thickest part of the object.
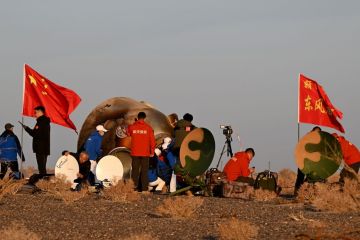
(234, 229)
(180, 207)
(17, 231)
(122, 192)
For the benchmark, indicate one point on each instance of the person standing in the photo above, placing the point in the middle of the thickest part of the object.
(142, 148)
(182, 129)
(41, 138)
(93, 146)
(9, 149)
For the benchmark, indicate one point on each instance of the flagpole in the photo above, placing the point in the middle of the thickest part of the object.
(22, 145)
(22, 124)
(298, 138)
(298, 109)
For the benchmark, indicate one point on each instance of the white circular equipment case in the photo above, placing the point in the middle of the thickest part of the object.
(67, 167)
(109, 168)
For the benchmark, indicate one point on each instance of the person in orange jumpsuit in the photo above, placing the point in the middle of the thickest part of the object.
(351, 156)
(237, 168)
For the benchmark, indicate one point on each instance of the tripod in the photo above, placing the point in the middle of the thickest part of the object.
(227, 148)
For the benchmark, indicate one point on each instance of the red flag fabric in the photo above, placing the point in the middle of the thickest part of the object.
(315, 106)
(58, 101)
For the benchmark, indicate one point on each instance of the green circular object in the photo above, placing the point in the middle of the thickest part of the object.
(197, 152)
(318, 155)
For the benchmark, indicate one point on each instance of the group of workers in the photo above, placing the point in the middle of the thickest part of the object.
(10, 146)
(152, 167)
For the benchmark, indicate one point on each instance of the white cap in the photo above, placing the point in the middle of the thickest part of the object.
(100, 128)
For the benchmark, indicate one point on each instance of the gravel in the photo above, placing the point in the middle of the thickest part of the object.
(96, 218)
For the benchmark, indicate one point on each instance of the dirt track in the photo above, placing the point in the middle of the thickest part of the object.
(96, 218)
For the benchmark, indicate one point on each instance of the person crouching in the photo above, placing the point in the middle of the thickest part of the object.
(237, 168)
(154, 179)
(84, 176)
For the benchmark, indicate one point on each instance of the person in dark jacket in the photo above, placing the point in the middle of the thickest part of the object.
(41, 138)
(182, 129)
(85, 175)
(10, 148)
(84, 170)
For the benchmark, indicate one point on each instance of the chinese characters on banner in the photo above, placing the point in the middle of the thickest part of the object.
(315, 107)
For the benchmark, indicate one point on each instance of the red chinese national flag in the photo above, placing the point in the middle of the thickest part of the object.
(58, 101)
(315, 106)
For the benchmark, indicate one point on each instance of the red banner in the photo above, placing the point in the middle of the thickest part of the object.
(315, 106)
(58, 101)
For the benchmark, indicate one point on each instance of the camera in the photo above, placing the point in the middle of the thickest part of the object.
(227, 130)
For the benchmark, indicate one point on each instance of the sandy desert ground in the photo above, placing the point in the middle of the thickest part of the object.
(122, 214)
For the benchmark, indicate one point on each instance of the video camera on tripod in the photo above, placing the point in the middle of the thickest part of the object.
(227, 131)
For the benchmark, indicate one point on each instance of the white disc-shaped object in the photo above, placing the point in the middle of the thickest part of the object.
(67, 167)
(109, 168)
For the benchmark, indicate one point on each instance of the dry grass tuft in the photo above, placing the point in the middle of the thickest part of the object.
(330, 197)
(264, 195)
(29, 171)
(287, 179)
(122, 192)
(180, 207)
(334, 178)
(17, 231)
(10, 187)
(329, 234)
(144, 236)
(234, 229)
(60, 189)
(352, 187)
(334, 199)
(306, 193)
(260, 195)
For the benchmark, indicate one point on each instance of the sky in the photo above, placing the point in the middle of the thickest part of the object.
(226, 62)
